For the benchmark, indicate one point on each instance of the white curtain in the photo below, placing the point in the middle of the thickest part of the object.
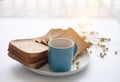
(60, 8)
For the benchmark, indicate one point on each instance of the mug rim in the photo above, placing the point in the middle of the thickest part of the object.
(49, 43)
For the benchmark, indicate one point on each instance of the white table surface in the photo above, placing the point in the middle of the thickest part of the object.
(98, 70)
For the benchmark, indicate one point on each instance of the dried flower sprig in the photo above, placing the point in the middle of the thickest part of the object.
(100, 43)
(90, 43)
(77, 65)
(104, 39)
(84, 37)
(117, 52)
(101, 40)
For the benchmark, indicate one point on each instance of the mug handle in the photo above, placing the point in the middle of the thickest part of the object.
(75, 48)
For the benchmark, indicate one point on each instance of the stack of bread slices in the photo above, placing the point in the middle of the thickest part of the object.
(33, 52)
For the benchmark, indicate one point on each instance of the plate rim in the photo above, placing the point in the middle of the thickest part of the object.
(43, 72)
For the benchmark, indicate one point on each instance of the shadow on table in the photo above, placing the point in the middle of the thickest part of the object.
(28, 76)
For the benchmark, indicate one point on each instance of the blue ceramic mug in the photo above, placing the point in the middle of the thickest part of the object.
(60, 54)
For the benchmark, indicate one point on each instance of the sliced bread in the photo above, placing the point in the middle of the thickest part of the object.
(33, 65)
(28, 46)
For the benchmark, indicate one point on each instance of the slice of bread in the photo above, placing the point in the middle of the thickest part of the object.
(82, 45)
(29, 47)
(71, 34)
(29, 60)
(33, 65)
(26, 55)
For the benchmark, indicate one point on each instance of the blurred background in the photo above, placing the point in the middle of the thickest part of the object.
(60, 8)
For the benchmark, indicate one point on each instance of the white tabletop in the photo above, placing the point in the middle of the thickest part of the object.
(98, 70)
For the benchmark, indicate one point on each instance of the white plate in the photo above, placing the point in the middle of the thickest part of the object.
(83, 60)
